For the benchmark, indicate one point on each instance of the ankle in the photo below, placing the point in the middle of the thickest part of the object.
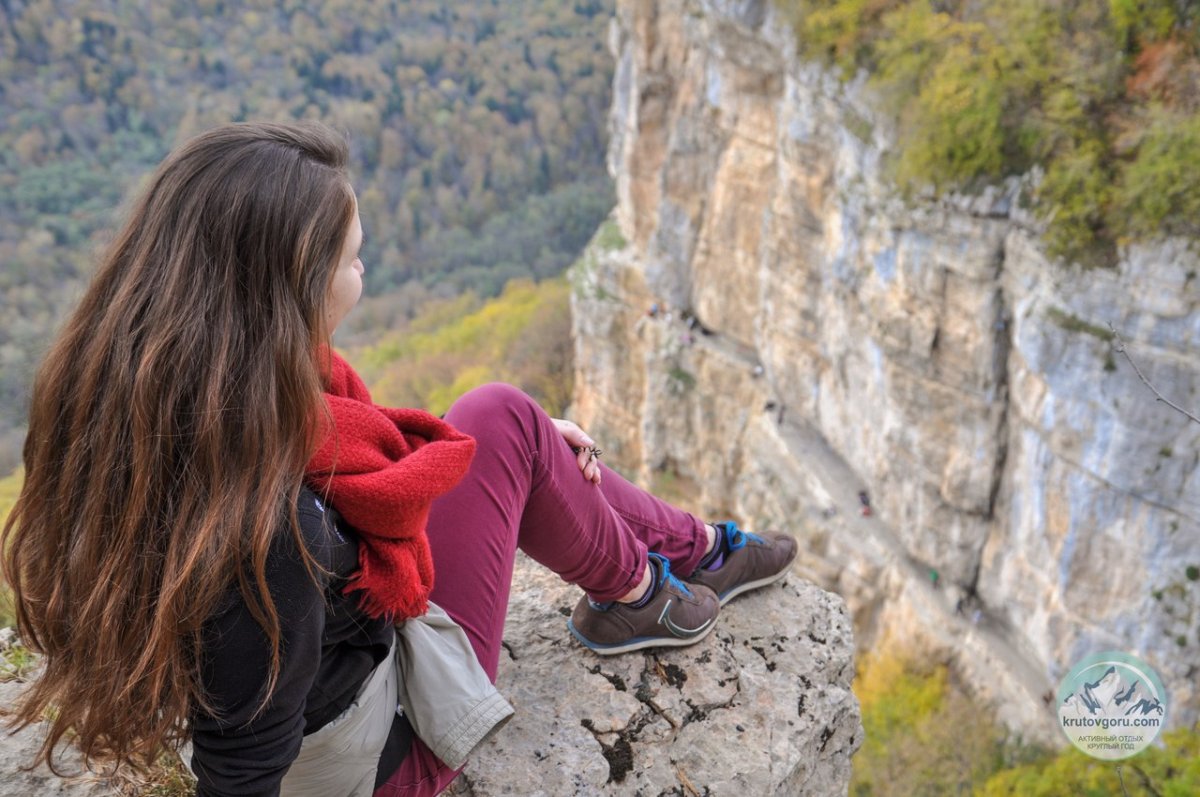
(639, 592)
(714, 554)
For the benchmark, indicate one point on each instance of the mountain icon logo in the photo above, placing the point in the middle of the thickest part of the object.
(1111, 705)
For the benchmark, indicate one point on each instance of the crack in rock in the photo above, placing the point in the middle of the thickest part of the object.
(671, 673)
(619, 754)
(700, 712)
(645, 693)
(617, 681)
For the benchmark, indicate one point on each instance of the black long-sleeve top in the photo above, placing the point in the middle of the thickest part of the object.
(328, 648)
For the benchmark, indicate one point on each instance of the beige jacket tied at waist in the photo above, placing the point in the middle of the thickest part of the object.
(443, 690)
(435, 680)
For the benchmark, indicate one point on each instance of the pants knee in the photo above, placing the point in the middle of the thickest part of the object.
(495, 403)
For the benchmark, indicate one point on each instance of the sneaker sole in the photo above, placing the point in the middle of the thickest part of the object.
(746, 586)
(638, 643)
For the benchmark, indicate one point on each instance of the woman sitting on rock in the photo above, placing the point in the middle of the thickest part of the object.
(222, 540)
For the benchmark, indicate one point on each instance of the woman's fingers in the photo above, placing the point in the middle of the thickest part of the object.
(587, 456)
(588, 460)
(591, 470)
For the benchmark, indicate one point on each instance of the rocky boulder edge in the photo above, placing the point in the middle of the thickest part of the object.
(761, 706)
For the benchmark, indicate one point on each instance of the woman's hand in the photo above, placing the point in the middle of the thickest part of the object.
(586, 453)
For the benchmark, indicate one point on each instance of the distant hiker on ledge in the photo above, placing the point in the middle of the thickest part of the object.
(222, 539)
(865, 503)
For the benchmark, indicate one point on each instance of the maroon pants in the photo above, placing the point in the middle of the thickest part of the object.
(525, 490)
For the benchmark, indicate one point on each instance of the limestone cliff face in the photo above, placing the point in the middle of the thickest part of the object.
(926, 351)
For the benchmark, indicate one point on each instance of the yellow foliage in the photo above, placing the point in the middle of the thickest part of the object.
(894, 693)
(10, 488)
(469, 378)
(521, 337)
(1169, 770)
(923, 736)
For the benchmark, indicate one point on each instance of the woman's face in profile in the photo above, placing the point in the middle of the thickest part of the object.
(346, 287)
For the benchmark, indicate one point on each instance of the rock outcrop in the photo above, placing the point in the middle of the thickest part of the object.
(16, 752)
(818, 335)
(761, 706)
(18, 749)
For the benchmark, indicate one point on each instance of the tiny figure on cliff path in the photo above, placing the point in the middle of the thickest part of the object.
(247, 542)
(864, 501)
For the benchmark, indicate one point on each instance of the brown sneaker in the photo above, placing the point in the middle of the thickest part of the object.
(749, 561)
(676, 616)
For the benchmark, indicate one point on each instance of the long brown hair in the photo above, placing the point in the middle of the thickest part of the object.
(169, 430)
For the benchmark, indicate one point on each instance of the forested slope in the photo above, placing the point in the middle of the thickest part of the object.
(478, 135)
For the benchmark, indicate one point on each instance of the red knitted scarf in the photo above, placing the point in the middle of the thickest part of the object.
(381, 468)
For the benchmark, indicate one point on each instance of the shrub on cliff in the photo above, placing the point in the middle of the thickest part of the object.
(1104, 97)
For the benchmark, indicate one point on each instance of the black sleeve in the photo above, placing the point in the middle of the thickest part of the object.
(235, 750)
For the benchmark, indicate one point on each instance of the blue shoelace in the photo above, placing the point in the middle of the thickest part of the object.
(666, 575)
(736, 538)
